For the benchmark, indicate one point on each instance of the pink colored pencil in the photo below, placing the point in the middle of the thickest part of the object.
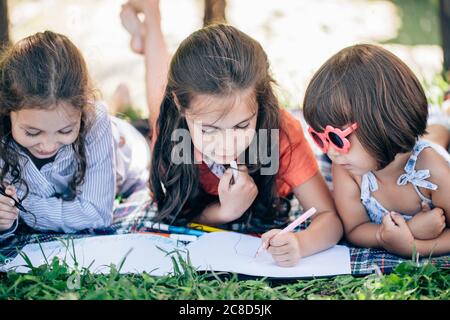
(290, 227)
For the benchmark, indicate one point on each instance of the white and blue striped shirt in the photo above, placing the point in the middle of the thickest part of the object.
(93, 205)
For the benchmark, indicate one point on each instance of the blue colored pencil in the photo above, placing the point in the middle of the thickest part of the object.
(173, 229)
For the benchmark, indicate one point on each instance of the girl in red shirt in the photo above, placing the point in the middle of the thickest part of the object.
(218, 106)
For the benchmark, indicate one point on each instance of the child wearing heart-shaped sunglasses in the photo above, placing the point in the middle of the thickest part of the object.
(367, 111)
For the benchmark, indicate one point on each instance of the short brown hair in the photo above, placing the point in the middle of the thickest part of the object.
(371, 86)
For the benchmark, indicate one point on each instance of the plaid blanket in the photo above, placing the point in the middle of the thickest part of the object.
(134, 218)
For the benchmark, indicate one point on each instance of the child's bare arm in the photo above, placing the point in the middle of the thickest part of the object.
(428, 223)
(325, 229)
(156, 59)
(438, 134)
(440, 197)
(396, 237)
(154, 49)
(435, 247)
(440, 176)
(212, 215)
(357, 226)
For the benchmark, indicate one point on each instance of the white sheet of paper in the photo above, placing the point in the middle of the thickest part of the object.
(235, 252)
(218, 251)
(141, 251)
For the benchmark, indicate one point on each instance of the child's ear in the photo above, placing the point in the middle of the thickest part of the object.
(177, 103)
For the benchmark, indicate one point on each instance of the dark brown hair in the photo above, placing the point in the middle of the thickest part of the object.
(41, 71)
(369, 85)
(217, 60)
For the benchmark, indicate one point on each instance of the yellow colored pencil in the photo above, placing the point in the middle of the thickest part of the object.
(202, 227)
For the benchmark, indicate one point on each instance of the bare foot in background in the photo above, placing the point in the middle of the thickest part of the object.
(133, 25)
(120, 100)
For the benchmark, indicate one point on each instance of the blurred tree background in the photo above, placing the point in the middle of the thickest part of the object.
(298, 35)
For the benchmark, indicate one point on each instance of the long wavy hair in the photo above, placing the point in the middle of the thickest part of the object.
(216, 60)
(41, 71)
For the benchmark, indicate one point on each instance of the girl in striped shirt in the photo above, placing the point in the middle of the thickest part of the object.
(61, 155)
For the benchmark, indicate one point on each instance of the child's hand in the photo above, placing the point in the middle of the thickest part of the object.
(427, 224)
(8, 212)
(238, 197)
(284, 248)
(394, 235)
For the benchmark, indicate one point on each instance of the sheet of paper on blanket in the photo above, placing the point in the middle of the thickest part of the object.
(141, 253)
(235, 252)
(217, 251)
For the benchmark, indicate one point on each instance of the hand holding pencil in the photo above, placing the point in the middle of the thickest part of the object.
(237, 191)
(9, 211)
(235, 170)
(284, 245)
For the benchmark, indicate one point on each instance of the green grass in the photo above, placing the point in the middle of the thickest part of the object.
(56, 281)
(435, 89)
(131, 113)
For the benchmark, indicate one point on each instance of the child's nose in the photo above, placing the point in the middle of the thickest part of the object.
(49, 146)
(226, 142)
(332, 153)
(226, 149)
